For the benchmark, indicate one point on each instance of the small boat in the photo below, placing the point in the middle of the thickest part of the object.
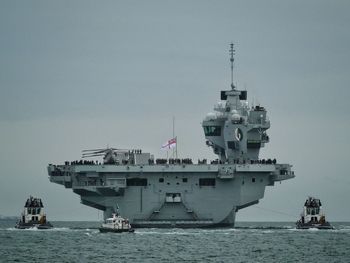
(313, 216)
(33, 215)
(116, 224)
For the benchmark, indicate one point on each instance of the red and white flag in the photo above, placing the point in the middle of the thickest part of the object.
(169, 144)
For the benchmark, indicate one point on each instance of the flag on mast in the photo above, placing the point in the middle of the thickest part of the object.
(169, 144)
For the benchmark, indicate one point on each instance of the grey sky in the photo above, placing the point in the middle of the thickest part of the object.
(85, 74)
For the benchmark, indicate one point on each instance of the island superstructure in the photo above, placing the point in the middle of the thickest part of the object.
(176, 192)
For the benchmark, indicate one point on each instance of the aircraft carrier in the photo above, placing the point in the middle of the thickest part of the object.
(176, 192)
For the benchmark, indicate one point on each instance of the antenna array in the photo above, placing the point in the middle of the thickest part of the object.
(232, 53)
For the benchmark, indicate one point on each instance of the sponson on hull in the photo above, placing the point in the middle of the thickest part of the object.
(178, 192)
(33, 215)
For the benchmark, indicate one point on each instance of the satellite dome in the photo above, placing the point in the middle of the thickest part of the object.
(235, 117)
(210, 116)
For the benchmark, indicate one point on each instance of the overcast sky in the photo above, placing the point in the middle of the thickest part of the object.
(76, 75)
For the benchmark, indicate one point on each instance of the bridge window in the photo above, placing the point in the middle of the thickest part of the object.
(207, 182)
(136, 182)
(252, 144)
(212, 130)
(184, 180)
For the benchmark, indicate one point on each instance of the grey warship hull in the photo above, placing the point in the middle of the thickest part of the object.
(193, 195)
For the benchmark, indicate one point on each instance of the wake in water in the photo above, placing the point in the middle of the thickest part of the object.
(189, 231)
(54, 229)
(264, 227)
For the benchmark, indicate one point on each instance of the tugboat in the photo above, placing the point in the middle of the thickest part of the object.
(116, 224)
(33, 215)
(313, 216)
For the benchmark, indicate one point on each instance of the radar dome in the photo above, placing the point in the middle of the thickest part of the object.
(210, 116)
(235, 117)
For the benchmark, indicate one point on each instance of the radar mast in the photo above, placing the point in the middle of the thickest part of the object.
(232, 53)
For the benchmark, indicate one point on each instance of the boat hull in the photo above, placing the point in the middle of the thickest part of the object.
(314, 226)
(115, 230)
(33, 225)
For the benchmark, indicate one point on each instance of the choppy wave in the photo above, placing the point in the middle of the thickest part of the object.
(54, 229)
(36, 229)
(248, 242)
(265, 227)
(180, 231)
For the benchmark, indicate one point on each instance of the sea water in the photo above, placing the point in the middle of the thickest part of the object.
(247, 242)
